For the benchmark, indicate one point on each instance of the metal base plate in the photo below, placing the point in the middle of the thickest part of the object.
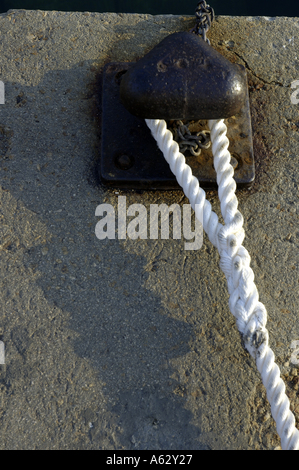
(130, 158)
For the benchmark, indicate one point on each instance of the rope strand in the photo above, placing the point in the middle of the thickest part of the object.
(250, 314)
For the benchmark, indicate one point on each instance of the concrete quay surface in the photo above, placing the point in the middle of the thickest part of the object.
(130, 344)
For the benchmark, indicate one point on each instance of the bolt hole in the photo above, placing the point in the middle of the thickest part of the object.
(124, 162)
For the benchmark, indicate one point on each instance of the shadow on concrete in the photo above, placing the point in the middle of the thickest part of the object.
(122, 329)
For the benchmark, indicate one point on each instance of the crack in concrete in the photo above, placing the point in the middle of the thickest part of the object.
(255, 75)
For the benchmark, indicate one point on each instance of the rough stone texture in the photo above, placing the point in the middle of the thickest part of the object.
(129, 344)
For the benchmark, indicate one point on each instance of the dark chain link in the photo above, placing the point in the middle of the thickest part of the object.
(182, 134)
(204, 17)
(187, 141)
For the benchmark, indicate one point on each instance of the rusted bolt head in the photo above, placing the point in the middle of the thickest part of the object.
(124, 162)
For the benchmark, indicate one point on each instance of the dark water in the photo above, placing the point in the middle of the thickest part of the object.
(155, 7)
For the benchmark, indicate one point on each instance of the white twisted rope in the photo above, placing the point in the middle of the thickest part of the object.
(250, 314)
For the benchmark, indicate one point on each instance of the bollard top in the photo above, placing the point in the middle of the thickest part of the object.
(184, 78)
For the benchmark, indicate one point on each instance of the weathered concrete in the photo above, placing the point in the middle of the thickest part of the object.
(122, 344)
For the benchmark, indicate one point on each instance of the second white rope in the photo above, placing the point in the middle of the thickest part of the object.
(250, 314)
